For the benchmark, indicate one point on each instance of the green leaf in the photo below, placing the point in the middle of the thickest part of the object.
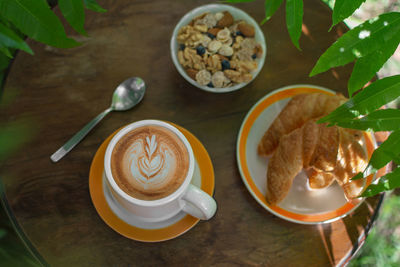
(6, 51)
(94, 6)
(35, 19)
(294, 20)
(378, 120)
(3, 233)
(387, 182)
(4, 61)
(74, 13)
(10, 39)
(363, 40)
(271, 6)
(367, 66)
(369, 99)
(343, 9)
(13, 136)
(388, 151)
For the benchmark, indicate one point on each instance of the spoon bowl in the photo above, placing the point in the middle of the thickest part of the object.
(127, 95)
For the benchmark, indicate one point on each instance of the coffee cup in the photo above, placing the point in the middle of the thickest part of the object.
(149, 165)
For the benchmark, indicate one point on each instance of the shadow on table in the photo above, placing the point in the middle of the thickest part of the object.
(357, 226)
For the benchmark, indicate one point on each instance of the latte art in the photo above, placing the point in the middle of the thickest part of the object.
(149, 162)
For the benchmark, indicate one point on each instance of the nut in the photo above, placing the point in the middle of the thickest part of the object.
(226, 20)
(238, 41)
(192, 73)
(217, 51)
(189, 58)
(214, 31)
(181, 58)
(258, 50)
(201, 27)
(246, 29)
(246, 66)
(222, 57)
(238, 77)
(214, 63)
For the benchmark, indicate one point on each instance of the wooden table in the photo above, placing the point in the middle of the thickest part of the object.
(61, 90)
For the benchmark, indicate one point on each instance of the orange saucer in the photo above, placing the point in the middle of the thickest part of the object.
(122, 227)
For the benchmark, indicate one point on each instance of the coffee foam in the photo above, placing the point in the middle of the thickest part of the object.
(150, 162)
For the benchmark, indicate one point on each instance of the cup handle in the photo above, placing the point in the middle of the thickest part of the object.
(198, 203)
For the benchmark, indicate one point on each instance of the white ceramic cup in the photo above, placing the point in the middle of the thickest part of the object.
(187, 197)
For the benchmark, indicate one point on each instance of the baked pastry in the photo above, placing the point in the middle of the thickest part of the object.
(330, 153)
(311, 146)
(300, 109)
(352, 159)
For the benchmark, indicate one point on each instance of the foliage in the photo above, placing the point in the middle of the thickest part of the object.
(370, 45)
(35, 19)
(12, 252)
(382, 247)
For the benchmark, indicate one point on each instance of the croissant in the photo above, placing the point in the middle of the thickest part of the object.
(352, 159)
(312, 145)
(320, 179)
(300, 109)
(331, 153)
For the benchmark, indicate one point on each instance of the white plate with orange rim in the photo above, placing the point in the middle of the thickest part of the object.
(302, 204)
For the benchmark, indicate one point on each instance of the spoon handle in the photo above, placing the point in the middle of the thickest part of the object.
(68, 146)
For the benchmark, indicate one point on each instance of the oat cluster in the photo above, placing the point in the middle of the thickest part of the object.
(217, 51)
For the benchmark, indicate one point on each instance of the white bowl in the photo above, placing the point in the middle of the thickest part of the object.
(237, 15)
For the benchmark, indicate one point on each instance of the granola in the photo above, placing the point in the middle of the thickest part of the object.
(217, 51)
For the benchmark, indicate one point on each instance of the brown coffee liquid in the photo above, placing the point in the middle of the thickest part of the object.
(149, 162)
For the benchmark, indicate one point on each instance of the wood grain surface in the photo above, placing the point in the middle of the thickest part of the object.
(60, 90)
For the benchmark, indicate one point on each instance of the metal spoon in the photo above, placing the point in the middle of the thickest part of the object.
(127, 95)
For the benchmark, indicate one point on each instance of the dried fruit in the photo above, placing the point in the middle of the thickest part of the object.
(225, 64)
(200, 50)
(210, 35)
(218, 55)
